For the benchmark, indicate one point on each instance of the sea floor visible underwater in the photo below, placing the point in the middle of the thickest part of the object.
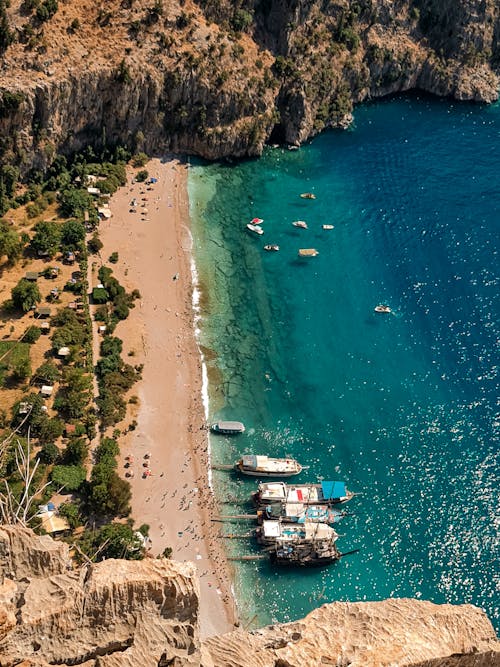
(402, 406)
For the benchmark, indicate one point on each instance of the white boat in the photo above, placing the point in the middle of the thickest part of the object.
(308, 195)
(228, 428)
(272, 248)
(256, 221)
(325, 493)
(300, 223)
(256, 229)
(264, 466)
(382, 309)
(273, 530)
(328, 227)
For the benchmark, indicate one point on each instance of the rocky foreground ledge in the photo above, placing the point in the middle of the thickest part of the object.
(145, 613)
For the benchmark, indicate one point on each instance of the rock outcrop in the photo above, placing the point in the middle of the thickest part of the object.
(145, 613)
(220, 78)
(365, 634)
(115, 613)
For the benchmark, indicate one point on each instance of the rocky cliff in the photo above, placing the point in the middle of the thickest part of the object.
(145, 613)
(218, 77)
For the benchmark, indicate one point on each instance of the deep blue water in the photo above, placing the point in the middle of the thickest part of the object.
(403, 407)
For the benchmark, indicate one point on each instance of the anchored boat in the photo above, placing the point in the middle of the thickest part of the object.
(308, 195)
(382, 309)
(263, 466)
(272, 248)
(273, 531)
(227, 428)
(300, 513)
(255, 229)
(300, 223)
(308, 252)
(325, 493)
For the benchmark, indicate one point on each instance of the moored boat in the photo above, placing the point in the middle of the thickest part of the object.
(308, 195)
(324, 493)
(300, 513)
(308, 252)
(227, 428)
(272, 248)
(300, 223)
(381, 308)
(272, 531)
(328, 226)
(255, 229)
(264, 466)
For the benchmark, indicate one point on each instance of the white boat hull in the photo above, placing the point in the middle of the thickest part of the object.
(260, 473)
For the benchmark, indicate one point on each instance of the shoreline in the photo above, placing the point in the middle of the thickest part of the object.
(154, 246)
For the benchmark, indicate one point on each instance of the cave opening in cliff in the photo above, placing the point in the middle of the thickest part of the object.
(277, 135)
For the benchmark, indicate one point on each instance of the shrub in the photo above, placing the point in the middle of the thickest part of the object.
(74, 201)
(69, 477)
(113, 258)
(10, 244)
(114, 540)
(32, 334)
(21, 370)
(72, 235)
(71, 512)
(141, 176)
(139, 159)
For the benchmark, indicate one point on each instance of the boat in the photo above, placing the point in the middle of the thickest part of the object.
(272, 248)
(300, 223)
(227, 428)
(382, 309)
(256, 221)
(306, 553)
(256, 229)
(328, 227)
(300, 513)
(264, 466)
(273, 530)
(308, 195)
(324, 493)
(308, 252)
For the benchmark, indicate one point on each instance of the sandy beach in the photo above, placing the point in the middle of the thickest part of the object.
(154, 248)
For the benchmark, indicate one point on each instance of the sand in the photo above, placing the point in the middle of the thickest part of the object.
(154, 247)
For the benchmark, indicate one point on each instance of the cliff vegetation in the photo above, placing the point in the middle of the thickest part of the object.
(219, 78)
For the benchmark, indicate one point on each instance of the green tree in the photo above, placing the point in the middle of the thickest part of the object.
(6, 36)
(95, 243)
(72, 234)
(141, 176)
(69, 477)
(76, 452)
(74, 201)
(47, 372)
(114, 540)
(49, 429)
(32, 334)
(21, 369)
(139, 159)
(10, 244)
(49, 453)
(47, 238)
(74, 393)
(25, 295)
(71, 512)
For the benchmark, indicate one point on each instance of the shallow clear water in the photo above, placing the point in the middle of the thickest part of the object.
(403, 406)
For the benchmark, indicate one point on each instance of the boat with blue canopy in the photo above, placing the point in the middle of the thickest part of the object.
(324, 493)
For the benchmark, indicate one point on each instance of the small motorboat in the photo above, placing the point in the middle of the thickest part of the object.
(265, 466)
(308, 252)
(381, 308)
(300, 223)
(308, 195)
(328, 227)
(255, 229)
(256, 221)
(227, 428)
(272, 248)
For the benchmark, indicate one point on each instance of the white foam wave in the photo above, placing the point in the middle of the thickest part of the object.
(195, 300)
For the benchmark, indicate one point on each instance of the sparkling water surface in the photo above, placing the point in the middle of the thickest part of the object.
(402, 406)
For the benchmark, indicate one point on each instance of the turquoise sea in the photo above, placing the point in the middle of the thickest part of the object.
(404, 406)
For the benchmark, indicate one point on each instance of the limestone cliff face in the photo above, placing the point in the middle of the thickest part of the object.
(145, 614)
(365, 634)
(219, 78)
(112, 614)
